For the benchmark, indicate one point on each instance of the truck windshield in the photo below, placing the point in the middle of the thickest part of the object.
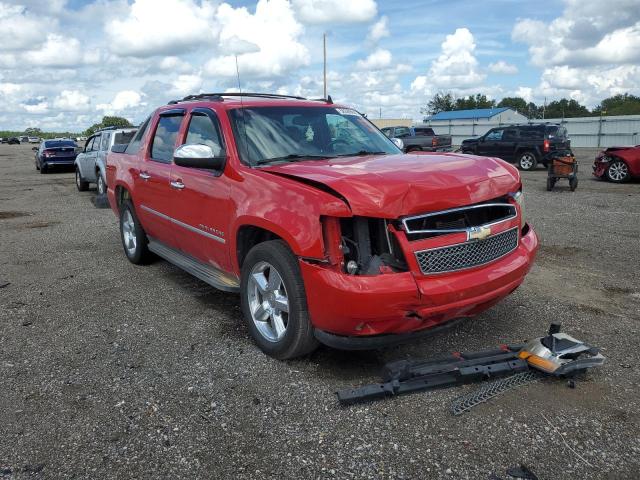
(271, 134)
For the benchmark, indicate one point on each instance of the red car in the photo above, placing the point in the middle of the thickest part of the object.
(326, 229)
(618, 164)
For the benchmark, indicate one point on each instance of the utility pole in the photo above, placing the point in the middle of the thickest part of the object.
(544, 107)
(324, 52)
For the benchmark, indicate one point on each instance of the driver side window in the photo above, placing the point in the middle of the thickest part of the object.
(203, 131)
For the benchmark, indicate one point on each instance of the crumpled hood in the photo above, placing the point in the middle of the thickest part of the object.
(391, 186)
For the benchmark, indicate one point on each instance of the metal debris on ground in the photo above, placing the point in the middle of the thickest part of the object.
(556, 354)
(466, 402)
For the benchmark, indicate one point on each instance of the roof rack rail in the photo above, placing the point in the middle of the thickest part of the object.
(219, 96)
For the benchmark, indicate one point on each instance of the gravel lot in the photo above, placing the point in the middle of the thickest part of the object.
(110, 370)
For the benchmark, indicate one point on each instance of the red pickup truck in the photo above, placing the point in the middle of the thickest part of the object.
(326, 229)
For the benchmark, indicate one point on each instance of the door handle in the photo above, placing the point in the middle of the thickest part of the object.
(144, 175)
(177, 184)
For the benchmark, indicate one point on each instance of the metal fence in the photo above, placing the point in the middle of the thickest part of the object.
(588, 132)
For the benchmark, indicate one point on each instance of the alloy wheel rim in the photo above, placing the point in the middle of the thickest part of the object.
(77, 178)
(618, 171)
(268, 301)
(129, 233)
(100, 185)
(526, 162)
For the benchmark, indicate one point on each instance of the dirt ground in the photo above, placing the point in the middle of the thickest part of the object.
(111, 370)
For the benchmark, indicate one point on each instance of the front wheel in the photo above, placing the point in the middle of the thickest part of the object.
(527, 161)
(618, 171)
(274, 302)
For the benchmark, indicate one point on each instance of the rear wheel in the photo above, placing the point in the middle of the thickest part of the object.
(274, 302)
(527, 161)
(44, 169)
(80, 183)
(618, 171)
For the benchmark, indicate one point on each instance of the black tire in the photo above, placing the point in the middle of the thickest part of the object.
(618, 172)
(527, 161)
(81, 185)
(550, 183)
(37, 165)
(573, 183)
(101, 186)
(298, 338)
(140, 254)
(44, 169)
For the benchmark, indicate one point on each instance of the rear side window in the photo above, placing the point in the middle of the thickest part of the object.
(124, 137)
(531, 133)
(134, 145)
(424, 132)
(95, 146)
(105, 142)
(164, 139)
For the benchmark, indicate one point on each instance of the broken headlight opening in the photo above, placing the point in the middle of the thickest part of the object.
(519, 198)
(369, 248)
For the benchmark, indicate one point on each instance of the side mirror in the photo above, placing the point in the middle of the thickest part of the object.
(398, 143)
(119, 147)
(199, 156)
(35, 149)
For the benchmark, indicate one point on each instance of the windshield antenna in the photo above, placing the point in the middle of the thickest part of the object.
(244, 125)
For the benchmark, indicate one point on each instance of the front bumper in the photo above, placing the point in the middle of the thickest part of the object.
(360, 310)
(600, 167)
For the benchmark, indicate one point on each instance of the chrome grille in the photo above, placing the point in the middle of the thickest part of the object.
(468, 254)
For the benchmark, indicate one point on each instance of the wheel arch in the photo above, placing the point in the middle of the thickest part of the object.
(122, 194)
(248, 235)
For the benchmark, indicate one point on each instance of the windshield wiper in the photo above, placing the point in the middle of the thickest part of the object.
(360, 153)
(291, 158)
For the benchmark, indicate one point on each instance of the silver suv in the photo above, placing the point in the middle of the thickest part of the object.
(90, 164)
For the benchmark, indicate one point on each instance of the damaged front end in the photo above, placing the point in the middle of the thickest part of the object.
(395, 277)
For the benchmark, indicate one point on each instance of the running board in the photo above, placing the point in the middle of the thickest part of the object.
(208, 274)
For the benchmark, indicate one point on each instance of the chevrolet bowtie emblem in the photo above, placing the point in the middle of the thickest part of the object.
(478, 233)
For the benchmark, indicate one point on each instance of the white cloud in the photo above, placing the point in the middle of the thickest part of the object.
(169, 28)
(40, 106)
(60, 51)
(590, 51)
(335, 11)
(503, 67)
(378, 60)
(378, 30)
(174, 64)
(19, 29)
(71, 100)
(275, 31)
(123, 100)
(9, 88)
(456, 68)
(186, 85)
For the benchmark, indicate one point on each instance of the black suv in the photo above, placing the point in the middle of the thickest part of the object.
(525, 145)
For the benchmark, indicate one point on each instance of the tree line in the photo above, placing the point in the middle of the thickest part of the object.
(107, 121)
(623, 104)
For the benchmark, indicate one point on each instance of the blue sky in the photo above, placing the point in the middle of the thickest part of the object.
(65, 63)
